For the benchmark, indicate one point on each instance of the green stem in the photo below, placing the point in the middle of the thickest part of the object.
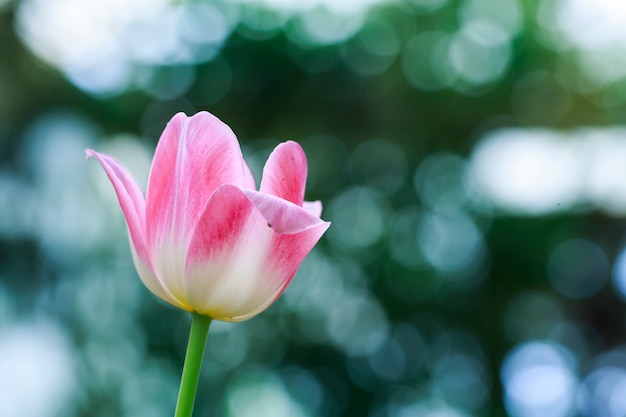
(193, 363)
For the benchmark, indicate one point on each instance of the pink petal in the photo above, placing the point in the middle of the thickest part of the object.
(193, 158)
(131, 201)
(284, 174)
(222, 222)
(313, 207)
(237, 264)
(289, 250)
(228, 213)
(151, 282)
(284, 257)
(227, 256)
(281, 215)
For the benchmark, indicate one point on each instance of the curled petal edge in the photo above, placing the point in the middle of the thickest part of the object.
(283, 216)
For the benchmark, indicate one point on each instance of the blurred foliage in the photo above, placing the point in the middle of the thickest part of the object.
(427, 297)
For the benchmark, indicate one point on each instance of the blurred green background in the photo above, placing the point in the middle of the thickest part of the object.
(471, 155)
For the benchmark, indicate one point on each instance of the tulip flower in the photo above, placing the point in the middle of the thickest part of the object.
(203, 238)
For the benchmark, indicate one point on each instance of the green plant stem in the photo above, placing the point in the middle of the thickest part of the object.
(193, 363)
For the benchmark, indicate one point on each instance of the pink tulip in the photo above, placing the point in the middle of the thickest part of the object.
(203, 239)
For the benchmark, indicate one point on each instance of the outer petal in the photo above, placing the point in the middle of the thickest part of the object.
(153, 283)
(233, 272)
(226, 258)
(131, 201)
(287, 253)
(194, 157)
(133, 205)
(284, 174)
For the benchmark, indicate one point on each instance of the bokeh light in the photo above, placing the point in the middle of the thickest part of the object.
(261, 394)
(619, 274)
(605, 384)
(452, 244)
(37, 363)
(598, 49)
(539, 380)
(529, 172)
(578, 268)
(361, 215)
(541, 171)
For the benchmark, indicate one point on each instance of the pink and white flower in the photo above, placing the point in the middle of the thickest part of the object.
(203, 239)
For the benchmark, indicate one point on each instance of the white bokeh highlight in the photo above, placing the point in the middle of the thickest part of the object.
(539, 381)
(37, 373)
(542, 171)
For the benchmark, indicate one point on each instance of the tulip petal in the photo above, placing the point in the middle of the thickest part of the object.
(194, 156)
(281, 215)
(149, 279)
(287, 253)
(133, 205)
(313, 207)
(285, 171)
(226, 256)
(237, 264)
(131, 201)
(222, 222)
(169, 266)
